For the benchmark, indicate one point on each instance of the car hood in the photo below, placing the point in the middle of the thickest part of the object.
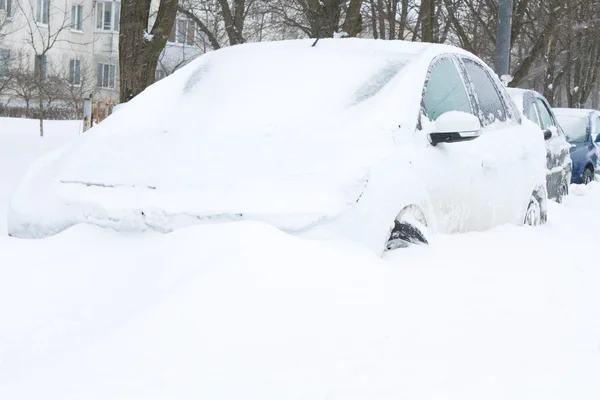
(291, 202)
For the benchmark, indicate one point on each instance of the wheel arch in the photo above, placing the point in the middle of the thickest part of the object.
(541, 195)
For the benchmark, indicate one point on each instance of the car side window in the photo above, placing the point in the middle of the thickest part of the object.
(545, 114)
(444, 90)
(490, 103)
(532, 114)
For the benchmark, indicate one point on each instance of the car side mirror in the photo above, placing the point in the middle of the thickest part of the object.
(547, 134)
(455, 126)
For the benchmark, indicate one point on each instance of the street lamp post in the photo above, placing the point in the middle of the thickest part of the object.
(502, 62)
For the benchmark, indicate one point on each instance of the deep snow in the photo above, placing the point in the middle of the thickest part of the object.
(243, 311)
(333, 152)
(20, 144)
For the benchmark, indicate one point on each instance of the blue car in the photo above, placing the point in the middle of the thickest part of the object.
(582, 129)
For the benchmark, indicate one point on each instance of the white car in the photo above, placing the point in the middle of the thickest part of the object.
(378, 142)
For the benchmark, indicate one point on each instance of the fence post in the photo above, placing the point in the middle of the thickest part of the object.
(87, 113)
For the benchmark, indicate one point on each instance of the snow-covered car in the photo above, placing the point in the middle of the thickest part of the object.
(558, 160)
(582, 129)
(352, 139)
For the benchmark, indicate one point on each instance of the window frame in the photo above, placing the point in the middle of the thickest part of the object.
(42, 18)
(6, 6)
(77, 17)
(110, 73)
(75, 65)
(159, 74)
(188, 40)
(449, 57)
(539, 100)
(532, 103)
(470, 87)
(115, 18)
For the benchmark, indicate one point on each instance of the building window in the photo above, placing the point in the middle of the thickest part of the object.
(160, 74)
(4, 62)
(40, 67)
(108, 15)
(6, 5)
(77, 17)
(42, 12)
(75, 72)
(183, 32)
(106, 76)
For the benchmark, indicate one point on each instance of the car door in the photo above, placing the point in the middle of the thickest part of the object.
(458, 166)
(506, 187)
(557, 148)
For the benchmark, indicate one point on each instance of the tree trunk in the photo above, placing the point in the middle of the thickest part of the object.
(374, 19)
(202, 26)
(353, 22)
(381, 18)
(403, 20)
(428, 24)
(40, 78)
(233, 20)
(139, 51)
(392, 18)
(41, 116)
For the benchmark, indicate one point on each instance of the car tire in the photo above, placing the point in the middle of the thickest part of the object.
(408, 229)
(533, 216)
(588, 176)
(563, 190)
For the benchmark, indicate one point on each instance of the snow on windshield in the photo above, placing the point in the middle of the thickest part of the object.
(283, 86)
(379, 80)
(575, 127)
(280, 109)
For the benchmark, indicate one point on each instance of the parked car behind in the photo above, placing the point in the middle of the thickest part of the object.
(581, 128)
(558, 160)
(376, 142)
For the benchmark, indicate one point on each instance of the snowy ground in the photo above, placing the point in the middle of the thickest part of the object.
(243, 311)
(20, 144)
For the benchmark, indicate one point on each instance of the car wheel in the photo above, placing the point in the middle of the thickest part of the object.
(408, 229)
(563, 190)
(588, 176)
(533, 216)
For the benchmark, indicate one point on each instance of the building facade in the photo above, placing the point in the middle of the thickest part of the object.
(75, 42)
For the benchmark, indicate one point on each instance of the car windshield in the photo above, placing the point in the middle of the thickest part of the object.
(575, 128)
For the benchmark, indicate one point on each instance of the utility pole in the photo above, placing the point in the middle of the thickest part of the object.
(502, 64)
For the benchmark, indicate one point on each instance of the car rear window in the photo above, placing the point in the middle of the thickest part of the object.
(575, 128)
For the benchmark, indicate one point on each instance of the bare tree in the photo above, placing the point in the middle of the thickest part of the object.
(75, 87)
(139, 46)
(24, 86)
(45, 27)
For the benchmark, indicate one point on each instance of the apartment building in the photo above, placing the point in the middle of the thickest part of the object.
(78, 40)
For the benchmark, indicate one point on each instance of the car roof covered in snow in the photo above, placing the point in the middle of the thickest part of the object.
(575, 112)
(517, 94)
(248, 102)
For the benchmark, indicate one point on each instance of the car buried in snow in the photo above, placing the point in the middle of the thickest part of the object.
(582, 129)
(376, 142)
(558, 161)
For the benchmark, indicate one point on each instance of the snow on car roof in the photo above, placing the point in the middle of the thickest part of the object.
(575, 112)
(516, 95)
(284, 101)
